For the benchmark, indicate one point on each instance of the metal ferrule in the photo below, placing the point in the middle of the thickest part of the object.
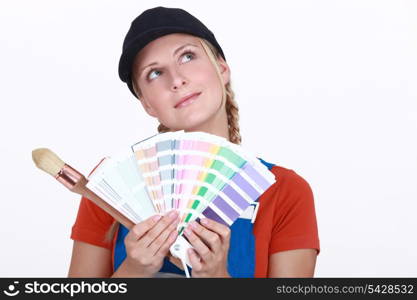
(68, 176)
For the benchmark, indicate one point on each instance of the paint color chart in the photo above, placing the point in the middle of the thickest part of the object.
(198, 174)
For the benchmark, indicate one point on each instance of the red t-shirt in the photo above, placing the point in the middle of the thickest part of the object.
(286, 220)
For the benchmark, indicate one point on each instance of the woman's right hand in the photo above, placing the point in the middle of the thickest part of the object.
(147, 243)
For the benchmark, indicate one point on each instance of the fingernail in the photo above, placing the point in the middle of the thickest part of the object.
(187, 231)
(173, 214)
(173, 235)
(156, 218)
(193, 224)
(204, 221)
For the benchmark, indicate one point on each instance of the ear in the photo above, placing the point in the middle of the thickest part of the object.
(148, 108)
(224, 70)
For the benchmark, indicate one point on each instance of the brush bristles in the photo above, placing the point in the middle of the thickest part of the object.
(47, 161)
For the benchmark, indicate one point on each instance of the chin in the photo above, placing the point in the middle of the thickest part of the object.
(193, 127)
(194, 121)
(198, 118)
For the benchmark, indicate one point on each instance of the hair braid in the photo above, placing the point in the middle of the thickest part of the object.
(162, 128)
(232, 111)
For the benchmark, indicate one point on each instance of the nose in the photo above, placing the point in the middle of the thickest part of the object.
(178, 80)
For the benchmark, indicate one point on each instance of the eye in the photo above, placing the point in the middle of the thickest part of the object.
(187, 56)
(153, 74)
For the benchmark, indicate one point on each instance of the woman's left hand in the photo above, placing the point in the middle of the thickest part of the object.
(211, 246)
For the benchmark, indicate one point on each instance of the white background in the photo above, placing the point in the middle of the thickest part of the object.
(326, 88)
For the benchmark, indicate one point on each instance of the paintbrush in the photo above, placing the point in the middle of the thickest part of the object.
(76, 182)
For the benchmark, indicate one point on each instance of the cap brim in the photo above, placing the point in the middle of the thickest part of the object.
(138, 43)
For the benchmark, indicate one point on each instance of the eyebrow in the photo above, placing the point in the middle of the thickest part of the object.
(175, 52)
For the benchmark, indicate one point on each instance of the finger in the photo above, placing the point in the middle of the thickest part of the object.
(195, 260)
(210, 238)
(157, 243)
(156, 230)
(137, 231)
(220, 229)
(164, 249)
(199, 246)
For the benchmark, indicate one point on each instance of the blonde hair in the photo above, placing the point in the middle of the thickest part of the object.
(232, 110)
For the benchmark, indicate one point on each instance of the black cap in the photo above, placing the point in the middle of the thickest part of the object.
(152, 24)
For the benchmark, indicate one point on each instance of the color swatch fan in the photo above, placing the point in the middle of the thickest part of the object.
(198, 174)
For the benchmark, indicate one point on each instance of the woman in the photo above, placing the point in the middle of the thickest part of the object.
(173, 64)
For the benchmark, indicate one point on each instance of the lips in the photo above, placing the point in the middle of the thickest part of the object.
(187, 100)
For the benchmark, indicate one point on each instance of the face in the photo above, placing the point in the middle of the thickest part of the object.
(172, 68)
